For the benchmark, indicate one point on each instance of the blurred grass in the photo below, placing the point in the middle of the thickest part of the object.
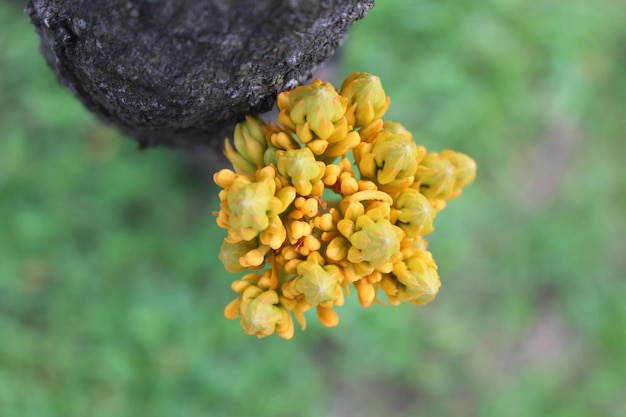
(111, 294)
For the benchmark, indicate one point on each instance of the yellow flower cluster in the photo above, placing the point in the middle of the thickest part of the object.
(309, 223)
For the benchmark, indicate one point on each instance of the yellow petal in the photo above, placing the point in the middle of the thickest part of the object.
(369, 132)
(303, 132)
(366, 291)
(327, 316)
(389, 285)
(254, 149)
(232, 309)
(340, 132)
(284, 327)
(240, 285)
(318, 146)
(367, 165)
(298, 112)
(286, 196)
(282, 101)
(298, 313)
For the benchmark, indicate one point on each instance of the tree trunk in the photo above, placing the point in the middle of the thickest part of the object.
(180, 73)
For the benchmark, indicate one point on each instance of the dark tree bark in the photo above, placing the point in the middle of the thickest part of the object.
(181, 72)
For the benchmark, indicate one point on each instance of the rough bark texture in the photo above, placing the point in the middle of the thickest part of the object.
(182, 72)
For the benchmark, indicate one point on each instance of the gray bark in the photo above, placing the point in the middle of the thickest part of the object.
(180, 73)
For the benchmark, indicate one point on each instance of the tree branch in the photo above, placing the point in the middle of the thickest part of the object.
(180, 72)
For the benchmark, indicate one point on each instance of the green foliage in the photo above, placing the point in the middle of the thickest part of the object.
(112, 296)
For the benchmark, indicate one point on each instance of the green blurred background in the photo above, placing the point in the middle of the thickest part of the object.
(111, 294)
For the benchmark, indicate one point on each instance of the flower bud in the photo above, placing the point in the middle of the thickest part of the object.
(366, 97)
(318, 284)
(464, 167)
(419, 278)
(435, 176)
(249, 204)
(300, 166)
(390, 156)
(230, 254)
(413, 213)
(262, 315)
(312, 110)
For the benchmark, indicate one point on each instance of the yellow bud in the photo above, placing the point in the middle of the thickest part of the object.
(297, 229)
(366, 92)
(281, 140)
(311, 243)
(300, 166)
(310, 207)
(337, 249)
(331, 173)
(224, 178)
(285, 328)
(249, 139)
(464, 167)
(318, 146)
(292, 265)
(289, 253)
(285, 120)
(231, 253)
(324, 222)
(255, 257)
(349, 184)
(274, 235)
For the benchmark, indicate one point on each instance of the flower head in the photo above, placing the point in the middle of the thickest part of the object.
(313, 224)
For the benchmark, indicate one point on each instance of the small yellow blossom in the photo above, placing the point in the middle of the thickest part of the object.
(313, 224)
